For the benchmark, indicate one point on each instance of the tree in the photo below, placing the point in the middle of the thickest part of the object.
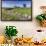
(24, 5)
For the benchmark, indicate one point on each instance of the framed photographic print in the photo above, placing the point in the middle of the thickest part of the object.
(16, 10)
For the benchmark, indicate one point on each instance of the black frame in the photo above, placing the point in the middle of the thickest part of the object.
(17, 20)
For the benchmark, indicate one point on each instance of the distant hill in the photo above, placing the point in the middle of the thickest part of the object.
(10, 8)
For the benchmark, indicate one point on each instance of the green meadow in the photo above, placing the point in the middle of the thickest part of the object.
(16, 14)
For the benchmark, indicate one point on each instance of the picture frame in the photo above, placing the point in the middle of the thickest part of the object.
(16, 10)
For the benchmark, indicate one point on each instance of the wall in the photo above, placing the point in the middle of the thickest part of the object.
(26, 27)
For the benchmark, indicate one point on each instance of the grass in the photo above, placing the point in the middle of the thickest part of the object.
(14, 13)
(23, 10)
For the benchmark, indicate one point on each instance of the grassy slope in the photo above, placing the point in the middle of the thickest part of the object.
(23, 10)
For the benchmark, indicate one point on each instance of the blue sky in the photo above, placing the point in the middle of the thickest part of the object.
(17, 0)
(15, 3)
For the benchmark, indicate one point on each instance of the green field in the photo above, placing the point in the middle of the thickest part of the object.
(16, 14)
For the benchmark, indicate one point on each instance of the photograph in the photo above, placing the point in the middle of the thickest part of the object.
(15, 10)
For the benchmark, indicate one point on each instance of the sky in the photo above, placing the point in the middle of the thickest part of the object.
(16, 0)
(15, 3)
